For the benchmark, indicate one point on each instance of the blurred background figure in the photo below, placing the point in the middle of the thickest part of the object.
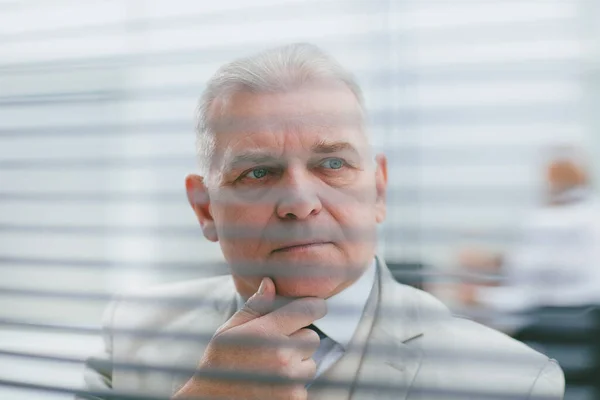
(555, 260)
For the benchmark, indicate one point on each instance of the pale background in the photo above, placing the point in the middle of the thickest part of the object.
(96, 135)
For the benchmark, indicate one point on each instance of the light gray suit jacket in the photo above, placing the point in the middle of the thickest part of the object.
(408, 346)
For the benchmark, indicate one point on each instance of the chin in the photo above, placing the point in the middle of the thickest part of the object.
(306, 287)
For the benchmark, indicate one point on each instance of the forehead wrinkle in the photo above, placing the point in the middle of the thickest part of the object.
(278, 122)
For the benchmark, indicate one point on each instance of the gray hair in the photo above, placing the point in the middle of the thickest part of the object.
(277, 69)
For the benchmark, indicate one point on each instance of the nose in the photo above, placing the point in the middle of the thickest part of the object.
(298, 200)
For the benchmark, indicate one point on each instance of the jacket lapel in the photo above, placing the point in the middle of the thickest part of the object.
(389, 364)
(388, 369)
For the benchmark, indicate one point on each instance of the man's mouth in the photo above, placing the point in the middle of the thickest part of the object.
(300, 246)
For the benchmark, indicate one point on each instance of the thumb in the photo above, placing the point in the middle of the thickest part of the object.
(259, 304)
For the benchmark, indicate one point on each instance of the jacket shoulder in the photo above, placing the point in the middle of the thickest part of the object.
(160, 305)
(443, 328)
(189, 288)
(460, 354)
(476, 336)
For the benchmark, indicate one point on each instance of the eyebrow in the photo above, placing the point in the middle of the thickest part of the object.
(325, 147)
(251, 158)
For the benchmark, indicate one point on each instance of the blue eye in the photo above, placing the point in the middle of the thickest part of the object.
(257, 173)
(333, 163)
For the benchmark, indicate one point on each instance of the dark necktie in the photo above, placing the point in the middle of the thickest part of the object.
(319, 332)
(321, 337)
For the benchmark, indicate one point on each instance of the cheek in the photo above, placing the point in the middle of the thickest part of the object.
(351, 205)
(358, 221)
(355, 213)
(240, 227)
(231, 210)
(242, 218)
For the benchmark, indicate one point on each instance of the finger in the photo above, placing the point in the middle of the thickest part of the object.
(305, 371)
(305, 341)
(256, 306)
(293, 316)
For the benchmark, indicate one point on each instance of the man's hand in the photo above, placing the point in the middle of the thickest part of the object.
(242, 345)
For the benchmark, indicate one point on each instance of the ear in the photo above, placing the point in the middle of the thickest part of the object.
(381, 180)
(197, 194)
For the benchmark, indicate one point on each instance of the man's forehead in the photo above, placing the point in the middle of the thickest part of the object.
(228, 126)
(323, 107)
(252, 125)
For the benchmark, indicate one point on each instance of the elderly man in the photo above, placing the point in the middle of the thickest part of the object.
(293, 194)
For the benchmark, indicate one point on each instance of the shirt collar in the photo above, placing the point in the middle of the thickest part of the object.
(345, 308)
